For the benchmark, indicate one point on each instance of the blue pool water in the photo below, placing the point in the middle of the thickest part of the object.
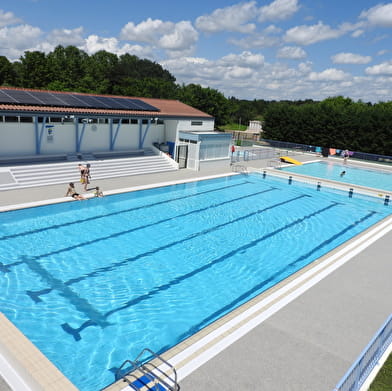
(92, 283)
(355, 175)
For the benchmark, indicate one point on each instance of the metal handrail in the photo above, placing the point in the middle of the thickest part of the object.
(368, 359)
(154, 373)
(135, 367)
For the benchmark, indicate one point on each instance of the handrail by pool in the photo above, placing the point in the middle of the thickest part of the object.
(368, 359)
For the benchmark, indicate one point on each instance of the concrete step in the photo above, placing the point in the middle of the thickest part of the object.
(72, 176)
(96, 170)
(44, 182)
(46, 174)
(95, 167)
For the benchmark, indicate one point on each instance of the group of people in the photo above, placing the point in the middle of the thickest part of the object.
(85, 177)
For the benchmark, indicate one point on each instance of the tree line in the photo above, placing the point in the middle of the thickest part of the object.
(335, 122)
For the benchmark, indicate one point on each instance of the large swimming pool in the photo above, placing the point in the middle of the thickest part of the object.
(346, 173)
(92, 283)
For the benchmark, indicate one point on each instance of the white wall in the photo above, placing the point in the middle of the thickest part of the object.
(186, 125)
(63, 139)
(17, 139)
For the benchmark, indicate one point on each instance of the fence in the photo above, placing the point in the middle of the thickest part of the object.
(360, 370)
(311, 148)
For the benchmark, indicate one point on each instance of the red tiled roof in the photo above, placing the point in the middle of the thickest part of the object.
(167, 107)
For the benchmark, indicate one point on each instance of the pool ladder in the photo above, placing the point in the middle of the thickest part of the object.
(154, 375)
(239, 168)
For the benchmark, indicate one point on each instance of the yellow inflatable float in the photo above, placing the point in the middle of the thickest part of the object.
(290, 160)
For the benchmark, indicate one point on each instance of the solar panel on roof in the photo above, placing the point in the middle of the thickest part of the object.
(22, 97)
(144, 105)
(4, 98)
(44, 98)
(103, 102)
(71, 100)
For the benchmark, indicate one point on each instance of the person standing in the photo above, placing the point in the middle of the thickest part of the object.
(86, 176)
(346, 155)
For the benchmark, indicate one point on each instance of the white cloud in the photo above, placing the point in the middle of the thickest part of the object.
(350, 58)
(307, 35)
(147, 31)
(278, 10)
(233, 18)
(245, 59)
(330, 74)
(380, 15)
(176, 38)
(383, 69)
(293, 52)
(255, 41)
(14, 41)
(238, 73)
(182, 37)
(66, 37)
(94, 43)
(357, 33)
(8, 18)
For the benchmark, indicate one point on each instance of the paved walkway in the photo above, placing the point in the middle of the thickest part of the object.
(306, 346)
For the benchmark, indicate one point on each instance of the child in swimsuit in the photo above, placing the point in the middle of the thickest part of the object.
(72, 192)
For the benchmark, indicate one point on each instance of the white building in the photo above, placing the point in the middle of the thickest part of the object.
(44, 125)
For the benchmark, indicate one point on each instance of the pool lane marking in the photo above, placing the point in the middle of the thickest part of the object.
(192, 357)
(119, 212)
(75, 332)
(273, 277)
(35, 295)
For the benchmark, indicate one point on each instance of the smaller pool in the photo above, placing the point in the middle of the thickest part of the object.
(347, 173)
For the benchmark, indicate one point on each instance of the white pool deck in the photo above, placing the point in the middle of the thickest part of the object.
(302, 335)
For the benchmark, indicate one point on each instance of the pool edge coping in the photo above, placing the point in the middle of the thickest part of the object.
(40, 378)
(190, 354)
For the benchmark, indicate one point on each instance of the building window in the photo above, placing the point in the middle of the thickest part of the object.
(26, 119)
(55, 119)
(134, 121)
(196, 123)
(11, 118)
(213, 151)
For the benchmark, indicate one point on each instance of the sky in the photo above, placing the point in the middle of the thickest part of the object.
(269, 49)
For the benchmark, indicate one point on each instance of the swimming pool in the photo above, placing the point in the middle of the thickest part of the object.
(93, 283)
(368, 177)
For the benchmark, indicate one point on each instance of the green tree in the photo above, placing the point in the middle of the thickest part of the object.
(7, 73)
(207, 100)
(34, 70)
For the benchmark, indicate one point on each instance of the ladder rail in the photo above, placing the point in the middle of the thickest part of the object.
(160, 358)
(153, 372)
(135, 367)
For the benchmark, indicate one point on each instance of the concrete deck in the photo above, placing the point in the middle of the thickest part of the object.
(310, 343)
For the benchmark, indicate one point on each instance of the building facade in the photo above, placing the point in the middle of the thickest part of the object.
(37, 124)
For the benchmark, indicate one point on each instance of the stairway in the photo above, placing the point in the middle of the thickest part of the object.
(47, 174)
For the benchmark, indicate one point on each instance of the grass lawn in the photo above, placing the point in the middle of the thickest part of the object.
(383, 380)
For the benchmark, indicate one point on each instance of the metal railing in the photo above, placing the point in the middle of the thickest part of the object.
(360, 370)
(247, 154)
(239, 168)
(143, 373)
(315, 149)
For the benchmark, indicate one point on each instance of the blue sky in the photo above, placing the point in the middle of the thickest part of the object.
(270, 49)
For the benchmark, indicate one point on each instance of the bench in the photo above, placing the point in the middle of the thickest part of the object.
(108, 154)
(32, 158)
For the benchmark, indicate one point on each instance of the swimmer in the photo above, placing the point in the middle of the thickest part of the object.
(72, 192)
(98, 193)
(343, 173)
